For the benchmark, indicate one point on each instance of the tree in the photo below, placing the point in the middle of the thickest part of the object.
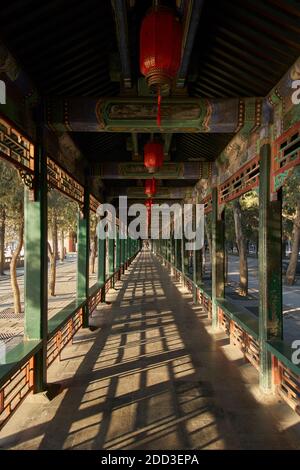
(2, 238)
(12, 230)
(241, 244)
(250, 216)
(13, 266)
(291, 222)
(62, 216)
(6, 189)
(93, 235)
(53, 250)
(207, 237)
(241, 227)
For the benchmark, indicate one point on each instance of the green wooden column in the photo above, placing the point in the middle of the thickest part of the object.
(172, 248)
(83, 243)
(197, 259)
(128, 247)
(36, 265)
(194, 277)
(270, 275)
(101, 261)
(185, 259)
(111, 256)
(101, 272)
(182, 254)
(118, 251)
(168, 250)
(218, 259)
(198, 267)
(123, 247)
(178, 253)
(126, 250)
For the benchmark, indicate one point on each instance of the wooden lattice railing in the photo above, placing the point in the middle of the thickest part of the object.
(15, 389)
(287, 384)
(63, 336)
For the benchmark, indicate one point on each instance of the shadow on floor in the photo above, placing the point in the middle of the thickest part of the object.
(151, 377)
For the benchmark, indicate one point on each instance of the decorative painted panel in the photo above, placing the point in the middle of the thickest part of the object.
(133, 170)
(63, 182)
(242, 181)
(132, 114)
(207, 204)
(16, 148)
(285, 156)
(94, 203)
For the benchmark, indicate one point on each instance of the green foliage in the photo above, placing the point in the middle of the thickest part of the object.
(208, 222)
(250, 218)
(63, 209)
(290, 195)
(93, 223)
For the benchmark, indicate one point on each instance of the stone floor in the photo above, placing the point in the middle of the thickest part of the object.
(150, 374)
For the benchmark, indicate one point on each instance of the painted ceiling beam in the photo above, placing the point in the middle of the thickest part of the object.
(136, 170)
(162, 193)
(120, 14)
(192, 11)
(130, 114)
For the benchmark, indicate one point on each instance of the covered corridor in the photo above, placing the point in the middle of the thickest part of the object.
(128, 127)
(150, 373)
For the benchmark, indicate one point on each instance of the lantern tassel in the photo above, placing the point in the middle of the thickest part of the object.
(158, 117)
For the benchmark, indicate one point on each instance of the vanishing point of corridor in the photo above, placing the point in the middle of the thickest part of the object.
(150, 374)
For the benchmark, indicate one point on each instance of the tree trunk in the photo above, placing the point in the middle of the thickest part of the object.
(2, 239)
(53, 254)
(241, 244)
(93, 253)
(13, 269)
(62, 245)
(203, 257)
(71, 242)
(226, 264)
(55, 235)
(291, 270)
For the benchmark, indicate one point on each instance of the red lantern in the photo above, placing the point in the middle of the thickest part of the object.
(160, 50)
(153, 156)
(150, 187)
